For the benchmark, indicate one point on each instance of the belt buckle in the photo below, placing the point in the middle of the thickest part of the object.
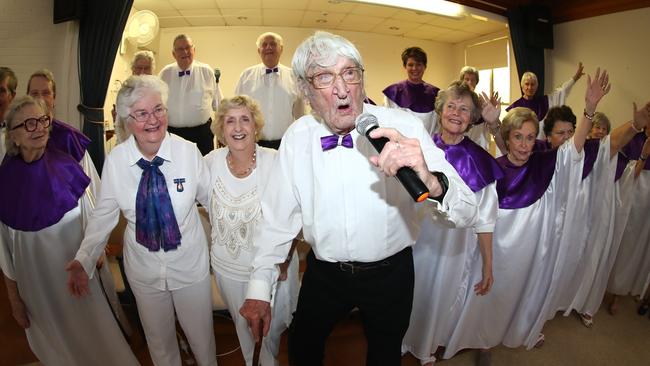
(346, 267)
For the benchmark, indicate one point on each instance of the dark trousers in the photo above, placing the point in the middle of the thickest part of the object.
(383, 293)
(201, 135)
(271, 144)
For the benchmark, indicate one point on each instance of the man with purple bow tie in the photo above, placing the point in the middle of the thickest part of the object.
(360, 221)
(273, 86)
(193, 95)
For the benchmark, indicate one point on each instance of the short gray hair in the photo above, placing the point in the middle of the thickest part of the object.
(458, 89)
(601, 120)
(145, 54)
(515, 118)
(528, 75)
(182, 36)
(16, 106)
(132, 90)
(322, 50)
(468, 70)
(277, 37)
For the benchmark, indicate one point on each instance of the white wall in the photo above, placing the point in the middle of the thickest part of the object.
(29, 41)
(232, 49)
(617, 42)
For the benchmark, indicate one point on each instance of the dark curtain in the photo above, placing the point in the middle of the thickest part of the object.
(100, 33)
(527, 57)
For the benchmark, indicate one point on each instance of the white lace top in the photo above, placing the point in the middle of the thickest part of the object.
(234, 211)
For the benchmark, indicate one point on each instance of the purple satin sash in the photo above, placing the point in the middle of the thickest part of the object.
(631, 151)
(524, 185)
(36, 195)
(419, 98)
(591, 154)
(475, 166)
(539, 105)
(541, 145)
(68, 139)
(621, 163)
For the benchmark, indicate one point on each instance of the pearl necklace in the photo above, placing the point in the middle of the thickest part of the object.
(245, 172)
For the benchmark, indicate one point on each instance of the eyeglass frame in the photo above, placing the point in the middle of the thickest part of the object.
(336, 75)
(38, 120)
(162, 111)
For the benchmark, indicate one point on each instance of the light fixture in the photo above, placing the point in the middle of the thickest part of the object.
(321, 21)
(437, 7)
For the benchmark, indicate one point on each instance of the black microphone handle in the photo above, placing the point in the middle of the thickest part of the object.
(407, 176)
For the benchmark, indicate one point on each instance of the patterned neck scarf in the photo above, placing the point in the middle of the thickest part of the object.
(155, 222)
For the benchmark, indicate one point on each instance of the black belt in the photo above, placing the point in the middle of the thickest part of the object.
(354, 267)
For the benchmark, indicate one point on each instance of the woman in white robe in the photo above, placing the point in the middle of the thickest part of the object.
(238, 173)
(590, 254)
(631, 272)
(47, 194)
(444, 257)
(533, 197)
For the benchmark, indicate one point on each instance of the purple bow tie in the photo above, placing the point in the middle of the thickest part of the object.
(275, 69)
(332, 141)
(181, 73)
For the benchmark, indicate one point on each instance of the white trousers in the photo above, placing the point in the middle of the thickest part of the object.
(193, 306)
(234, 294)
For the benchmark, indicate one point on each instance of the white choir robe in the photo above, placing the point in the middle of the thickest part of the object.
(584, 291)
(64, 330)
(525, 250)
(429, 119)
(631, 272)
(444, 259)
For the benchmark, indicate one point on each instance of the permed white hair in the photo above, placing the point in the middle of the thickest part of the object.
(132, 90)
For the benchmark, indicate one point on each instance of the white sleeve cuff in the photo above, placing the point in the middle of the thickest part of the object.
(258, 290)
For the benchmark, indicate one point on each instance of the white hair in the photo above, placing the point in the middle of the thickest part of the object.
(322, 50)
(528, 75)
(145, 54)
(132, 90)
(277, 37)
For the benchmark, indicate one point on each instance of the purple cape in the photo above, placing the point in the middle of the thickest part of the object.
(475, 166)
(631, 151)
(591, 153)
(524, 185)
(36, 195)
(539, 105)
(419, 98)
(68, 139)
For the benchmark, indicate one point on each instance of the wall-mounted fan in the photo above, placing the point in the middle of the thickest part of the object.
(142, 28)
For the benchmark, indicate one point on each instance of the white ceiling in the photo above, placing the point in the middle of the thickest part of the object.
(322, 14)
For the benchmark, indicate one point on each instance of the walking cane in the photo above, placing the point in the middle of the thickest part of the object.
(258, 346)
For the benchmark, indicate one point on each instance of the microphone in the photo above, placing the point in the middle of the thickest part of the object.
(366, 123)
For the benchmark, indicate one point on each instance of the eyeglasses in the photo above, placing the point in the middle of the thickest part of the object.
(183, 49)
(31, 124)
(143, 116)
(351, 75)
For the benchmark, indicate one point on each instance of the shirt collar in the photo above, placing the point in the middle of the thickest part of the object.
(134, 153)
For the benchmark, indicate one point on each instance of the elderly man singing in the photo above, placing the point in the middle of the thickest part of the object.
(360, 221)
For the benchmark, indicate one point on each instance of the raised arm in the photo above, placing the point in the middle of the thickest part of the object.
(490, 113)
(623, 134)
(558, 96)
(645, 151)
(596, 90)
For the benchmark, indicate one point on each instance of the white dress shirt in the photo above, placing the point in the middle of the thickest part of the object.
(193, 97)
(277, 95)
(184, 266)
(347, 208)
